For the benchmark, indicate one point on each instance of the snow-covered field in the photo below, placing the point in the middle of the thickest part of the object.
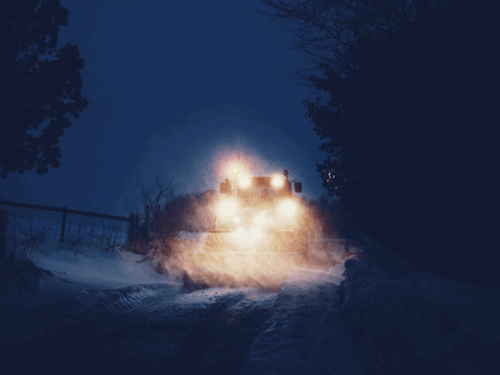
(105, 313)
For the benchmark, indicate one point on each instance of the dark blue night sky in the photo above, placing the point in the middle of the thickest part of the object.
(173, 86)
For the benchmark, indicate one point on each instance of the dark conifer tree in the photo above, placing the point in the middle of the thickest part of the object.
(408, 119)
(40, 85)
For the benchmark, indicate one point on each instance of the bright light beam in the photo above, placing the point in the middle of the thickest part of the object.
(288, 208)
(244, 181)
(277, 182)
(227, 207)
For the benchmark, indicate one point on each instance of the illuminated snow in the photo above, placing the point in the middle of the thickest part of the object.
(385, 313)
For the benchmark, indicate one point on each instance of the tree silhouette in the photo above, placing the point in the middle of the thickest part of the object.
(328, 30)
(408, 129)
(40, 85)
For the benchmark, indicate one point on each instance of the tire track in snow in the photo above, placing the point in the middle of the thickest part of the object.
(126, 299)
(219, 340)
(158, 329)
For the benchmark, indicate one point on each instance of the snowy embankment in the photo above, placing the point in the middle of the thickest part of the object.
(95, 267)
(108, 312)
(305, 333)
(408, 322)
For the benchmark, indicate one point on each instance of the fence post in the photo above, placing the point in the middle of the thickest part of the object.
(3, 224)
(63, 227)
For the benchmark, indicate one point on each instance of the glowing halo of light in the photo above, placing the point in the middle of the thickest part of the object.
(239, 233)
(288, 208)
(261, 219)
(277, 182)
(244, 181)
(227, 207)
(255, 232)
(235, 171)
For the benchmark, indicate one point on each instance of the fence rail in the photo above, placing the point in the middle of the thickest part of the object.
(71, 221)
(64, 210)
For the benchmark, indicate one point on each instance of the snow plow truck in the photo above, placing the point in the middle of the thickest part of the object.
(259, 230)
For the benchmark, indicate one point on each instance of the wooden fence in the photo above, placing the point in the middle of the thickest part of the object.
(132, 220)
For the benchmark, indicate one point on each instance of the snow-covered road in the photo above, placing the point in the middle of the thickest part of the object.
(106, 314)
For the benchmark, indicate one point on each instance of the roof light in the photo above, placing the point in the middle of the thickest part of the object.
(277, 182)
(244, 181)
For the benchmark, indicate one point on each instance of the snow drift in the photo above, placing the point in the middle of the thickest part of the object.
(406, 321)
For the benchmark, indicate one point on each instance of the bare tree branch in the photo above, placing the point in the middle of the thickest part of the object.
(327, 30)
(156, 197)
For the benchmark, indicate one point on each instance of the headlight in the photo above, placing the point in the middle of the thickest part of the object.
(288, 208)
(277, 182)
(255, 232)
(240, 233)
(261, 219)
(227, 208)
(244, 181)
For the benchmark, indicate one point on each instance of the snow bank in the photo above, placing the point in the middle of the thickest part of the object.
(19, 276)
(101, 268)
(302, 335)
(406, 321)
(306, 279)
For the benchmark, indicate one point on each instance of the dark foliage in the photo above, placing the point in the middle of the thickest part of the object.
(329, 218)
(410, 136)
(166, 214)
(40, 85)
(189, 212)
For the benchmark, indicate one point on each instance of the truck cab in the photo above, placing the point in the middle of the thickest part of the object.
(262, 213)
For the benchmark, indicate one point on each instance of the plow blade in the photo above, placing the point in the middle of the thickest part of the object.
(282, 242)
(226, 259)
(240, 269)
